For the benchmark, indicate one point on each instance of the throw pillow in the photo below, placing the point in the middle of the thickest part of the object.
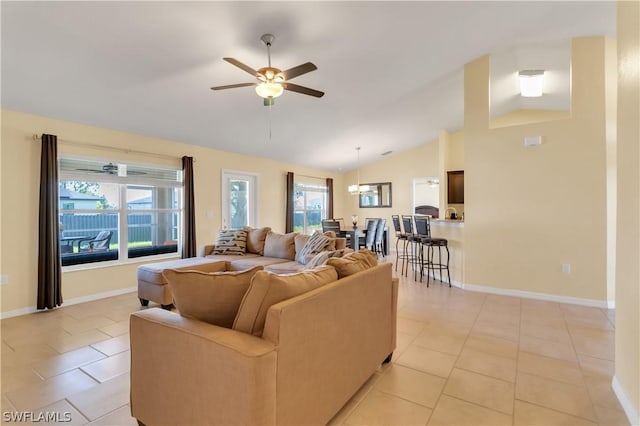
(316, 243)
(267, 289)
(231, 241)
(212, 297)
(319, 259)
(255, 239)
(280, 245)
(353, 262)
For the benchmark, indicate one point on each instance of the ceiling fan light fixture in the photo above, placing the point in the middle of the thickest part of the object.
(269, 90)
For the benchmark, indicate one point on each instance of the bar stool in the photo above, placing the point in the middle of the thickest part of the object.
(423, 231)
(409, 249)
(400, 236)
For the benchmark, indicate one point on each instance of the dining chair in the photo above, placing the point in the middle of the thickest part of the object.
(370, 237)
(379, 239)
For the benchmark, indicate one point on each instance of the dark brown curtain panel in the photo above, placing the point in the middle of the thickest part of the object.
(189, 240)
(329, 198)
(290, 203)
(49, 263)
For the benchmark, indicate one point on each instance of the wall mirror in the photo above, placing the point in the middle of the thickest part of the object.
(375, 194)
(426, 196)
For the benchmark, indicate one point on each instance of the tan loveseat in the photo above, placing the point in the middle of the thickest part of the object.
(316, 351)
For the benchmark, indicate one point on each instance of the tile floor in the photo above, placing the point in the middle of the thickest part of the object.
(462, 358)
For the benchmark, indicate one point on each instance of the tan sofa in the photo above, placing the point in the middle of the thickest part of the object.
(283, 250)
(316, 351)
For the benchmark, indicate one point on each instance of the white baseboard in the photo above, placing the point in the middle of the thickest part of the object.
(69, 302)
(539, 296)
(627, 406)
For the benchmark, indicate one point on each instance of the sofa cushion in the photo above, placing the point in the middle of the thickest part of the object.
(231, 241)
(353, 262)
(285, 267)
(213, 297)
(255, 239)
(317, 242)
(267, 289)
(280, 245)
(152, 272)
(241, 263)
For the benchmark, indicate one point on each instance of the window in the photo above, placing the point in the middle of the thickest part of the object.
(310, 206)
(111, 212)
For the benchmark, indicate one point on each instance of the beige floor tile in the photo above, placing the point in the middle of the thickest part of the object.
(30, 337)
(480, 389)
(492, 345)
(548, 348)
(595, 366)
(454, 412)
(67, 361)
(75, 326)
(28, 353)
(556, 333)
(533, 415)
(64, 414)
(410, 326)
(403, 341)
(611, 417)
(551, 368)
(564, 397)
(428, 361)
(116, 329)
(75, 341)
(492, 316)
(601, 392)
(110, 367)
(497, 329)
(103, 398)
(50, 390)
(447, 338)
(342, 415)
(17, 377)
(6, 405)
(119, 417)
(412, 385)
(379, 408)
(595, 346)
(113, 346)
(487, 364)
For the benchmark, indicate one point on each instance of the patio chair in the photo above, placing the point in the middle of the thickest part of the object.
(98, 243)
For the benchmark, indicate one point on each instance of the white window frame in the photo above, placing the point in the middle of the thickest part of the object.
(122, 211)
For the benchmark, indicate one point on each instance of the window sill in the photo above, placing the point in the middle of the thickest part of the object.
(113, 263)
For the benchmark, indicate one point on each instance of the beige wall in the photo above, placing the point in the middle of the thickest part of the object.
(627, 362)
(400, 169)
(19, 190)
(529, 210)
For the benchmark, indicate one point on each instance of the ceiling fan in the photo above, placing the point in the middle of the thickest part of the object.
(114, 169)
(272, 82)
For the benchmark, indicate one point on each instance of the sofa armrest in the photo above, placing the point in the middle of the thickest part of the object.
(188, 372)
(205, 250)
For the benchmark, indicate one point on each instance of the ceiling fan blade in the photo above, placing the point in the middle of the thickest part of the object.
(233, 86)
(242, 66)
(297, 71)
(91, 170)
(301, 89)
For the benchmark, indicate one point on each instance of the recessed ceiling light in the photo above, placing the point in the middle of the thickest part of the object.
(386, 153)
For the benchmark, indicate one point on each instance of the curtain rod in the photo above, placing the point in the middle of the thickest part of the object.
(98, 146)
(312, 177)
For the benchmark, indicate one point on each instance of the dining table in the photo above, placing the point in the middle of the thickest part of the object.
(354, 233)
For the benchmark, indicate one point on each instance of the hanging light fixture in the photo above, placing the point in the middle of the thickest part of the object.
(355, 189)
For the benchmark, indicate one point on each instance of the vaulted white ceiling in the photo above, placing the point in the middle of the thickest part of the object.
(392, 71)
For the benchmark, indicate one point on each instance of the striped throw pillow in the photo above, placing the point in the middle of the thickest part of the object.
(231, 241)
(316, 243)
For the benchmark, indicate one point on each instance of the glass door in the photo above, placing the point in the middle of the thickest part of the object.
(239, 199)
